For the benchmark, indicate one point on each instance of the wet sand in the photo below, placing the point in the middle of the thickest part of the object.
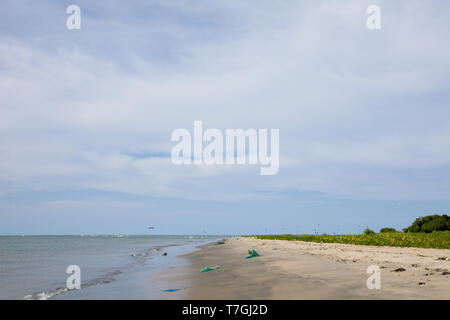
(306, 270)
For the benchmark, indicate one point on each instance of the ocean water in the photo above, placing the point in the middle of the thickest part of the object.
(112, 266)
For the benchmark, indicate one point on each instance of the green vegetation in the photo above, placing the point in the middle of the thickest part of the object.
(384, 230)
(438, 239)
(368, 232)
(429, 224)
(426, 232)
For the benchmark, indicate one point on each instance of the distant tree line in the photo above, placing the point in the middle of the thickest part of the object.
(429, 224)
(425, 224)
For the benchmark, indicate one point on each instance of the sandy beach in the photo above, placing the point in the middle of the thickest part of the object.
(306, 270)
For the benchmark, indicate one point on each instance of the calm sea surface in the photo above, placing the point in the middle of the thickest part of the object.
(112, 267)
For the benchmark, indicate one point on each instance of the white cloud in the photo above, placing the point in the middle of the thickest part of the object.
(344, 99)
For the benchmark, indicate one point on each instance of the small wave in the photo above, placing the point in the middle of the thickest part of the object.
(196, 237)
(45, 295)
(141, 257)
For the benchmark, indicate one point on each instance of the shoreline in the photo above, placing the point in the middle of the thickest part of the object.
(125, 271)
(308, 270)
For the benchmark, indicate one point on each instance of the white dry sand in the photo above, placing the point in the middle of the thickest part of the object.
(307, 270)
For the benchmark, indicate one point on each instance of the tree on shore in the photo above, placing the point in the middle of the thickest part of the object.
(430, 223)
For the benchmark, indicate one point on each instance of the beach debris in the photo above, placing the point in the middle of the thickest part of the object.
(206, 269)
(421, 283)
(219, 243)
(164, 254)
(415, 265)
(399, 270)
(172, 290)
(275, 249)
(442, 258)
(252, 254)
(445, 273)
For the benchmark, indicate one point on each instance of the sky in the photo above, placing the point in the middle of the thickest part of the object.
(86, 115)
